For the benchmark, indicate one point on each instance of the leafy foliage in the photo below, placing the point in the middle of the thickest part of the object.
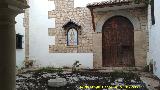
(143, 1)
(50, 70)
(75, 65)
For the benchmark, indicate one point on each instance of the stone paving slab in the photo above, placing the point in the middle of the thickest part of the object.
(150, 80)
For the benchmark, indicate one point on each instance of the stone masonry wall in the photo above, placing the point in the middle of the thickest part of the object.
(63, 13)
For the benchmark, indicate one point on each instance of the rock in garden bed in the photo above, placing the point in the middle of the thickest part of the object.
(57, 82)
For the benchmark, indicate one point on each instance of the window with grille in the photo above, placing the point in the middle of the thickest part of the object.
(19, 41)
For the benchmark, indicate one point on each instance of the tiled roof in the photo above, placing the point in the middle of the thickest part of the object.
(111, 3)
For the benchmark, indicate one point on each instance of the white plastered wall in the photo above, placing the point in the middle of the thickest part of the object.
(154, 40)
(40, 40)
(20, 53)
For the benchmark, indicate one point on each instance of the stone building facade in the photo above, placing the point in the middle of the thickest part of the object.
(90, 35)
(87, 23)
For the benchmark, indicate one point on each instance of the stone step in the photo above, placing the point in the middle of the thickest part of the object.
(111, 69)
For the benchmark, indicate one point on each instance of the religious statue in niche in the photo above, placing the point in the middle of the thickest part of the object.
(72, 37)
(72, 31)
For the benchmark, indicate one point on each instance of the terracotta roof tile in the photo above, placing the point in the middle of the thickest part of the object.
(110, 3)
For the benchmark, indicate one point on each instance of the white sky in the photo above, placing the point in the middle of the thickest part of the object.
(83, 3)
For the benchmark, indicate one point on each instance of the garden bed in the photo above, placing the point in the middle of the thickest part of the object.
(38, 80)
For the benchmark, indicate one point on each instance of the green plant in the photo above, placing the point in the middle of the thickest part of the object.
(146, 68)
(50, 70)
(59, 70)
(17, 67)
(142, 1)
(28, 63)
(151, 67)
(66, 67)
(75, 65)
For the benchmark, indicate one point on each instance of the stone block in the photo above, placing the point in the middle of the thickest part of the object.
(51, 14)
(58, 82)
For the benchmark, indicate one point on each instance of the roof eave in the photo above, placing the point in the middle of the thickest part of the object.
(118, 7)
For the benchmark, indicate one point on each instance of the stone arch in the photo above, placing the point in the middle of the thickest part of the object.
(134, 20)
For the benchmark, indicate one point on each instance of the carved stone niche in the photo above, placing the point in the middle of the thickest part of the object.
(72, 32)
(72, 25)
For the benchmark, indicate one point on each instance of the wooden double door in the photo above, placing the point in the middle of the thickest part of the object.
(118, 42)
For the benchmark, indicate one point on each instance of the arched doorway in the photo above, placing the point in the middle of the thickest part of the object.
(118, 42)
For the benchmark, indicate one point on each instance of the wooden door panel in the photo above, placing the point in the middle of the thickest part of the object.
(118, 42)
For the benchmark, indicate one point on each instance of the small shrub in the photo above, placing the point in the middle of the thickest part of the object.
(28, 63)
(66, 67)
(149, 68)
(142, 1)
(75, 65)
(50, 70)
(146, 68)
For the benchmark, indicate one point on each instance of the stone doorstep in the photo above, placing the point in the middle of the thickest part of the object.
(111, 69)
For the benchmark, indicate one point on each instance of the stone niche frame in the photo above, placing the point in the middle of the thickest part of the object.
(139, 52)
(72, 25)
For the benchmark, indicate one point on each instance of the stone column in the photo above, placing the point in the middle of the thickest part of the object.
(7, 51)
(26, 22)
(8, 11)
